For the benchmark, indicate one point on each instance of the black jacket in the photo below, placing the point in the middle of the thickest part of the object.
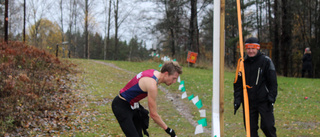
(261, 76)
(307, 62)
(143, 116)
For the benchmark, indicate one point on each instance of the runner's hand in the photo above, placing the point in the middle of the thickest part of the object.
(171, 132)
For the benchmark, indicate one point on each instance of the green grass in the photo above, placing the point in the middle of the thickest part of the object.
(295, 116)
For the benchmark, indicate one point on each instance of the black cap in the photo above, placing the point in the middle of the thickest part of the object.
(252, 40)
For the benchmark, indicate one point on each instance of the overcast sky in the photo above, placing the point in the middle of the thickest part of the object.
(139, 14)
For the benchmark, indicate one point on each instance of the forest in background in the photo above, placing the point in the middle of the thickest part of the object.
(179, 27)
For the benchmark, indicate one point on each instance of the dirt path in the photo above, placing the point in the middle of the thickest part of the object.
(174, 98)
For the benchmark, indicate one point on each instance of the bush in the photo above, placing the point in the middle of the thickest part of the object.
(35, 90)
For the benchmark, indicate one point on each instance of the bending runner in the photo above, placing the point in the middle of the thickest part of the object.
(126, 107)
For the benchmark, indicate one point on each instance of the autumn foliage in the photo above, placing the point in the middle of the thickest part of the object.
(35, 90)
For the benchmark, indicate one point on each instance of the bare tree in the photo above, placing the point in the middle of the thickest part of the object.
(276, 40)
(6, 21)
(61, 19)
(24, 21)
(89, 13)
(107, 29)
(72, 20)
(120, 15)
(38, 9)
(86, 33)
(14, 19)
(286, 34)
(116, 19)
(193, 29)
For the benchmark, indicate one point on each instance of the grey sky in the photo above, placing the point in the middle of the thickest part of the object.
(139, 15)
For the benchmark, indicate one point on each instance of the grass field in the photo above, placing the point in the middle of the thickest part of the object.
(295, 115)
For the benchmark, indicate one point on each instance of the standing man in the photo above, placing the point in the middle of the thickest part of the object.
(261, 80)
(307, 63)
(142, 85)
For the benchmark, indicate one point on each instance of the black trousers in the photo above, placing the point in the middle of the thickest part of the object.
(127, 118)
(265, 110)
(309, 71)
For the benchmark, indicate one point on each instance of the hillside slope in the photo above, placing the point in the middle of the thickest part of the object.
(35, 90)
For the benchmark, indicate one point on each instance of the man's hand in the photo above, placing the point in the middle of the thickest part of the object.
(171, 132)
(236, 107)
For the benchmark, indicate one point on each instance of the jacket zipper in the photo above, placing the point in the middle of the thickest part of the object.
(267, 89)
(258, 76)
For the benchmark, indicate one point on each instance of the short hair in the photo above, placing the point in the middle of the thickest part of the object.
(171, 67)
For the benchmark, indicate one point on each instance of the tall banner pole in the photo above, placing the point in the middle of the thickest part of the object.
(241, 69)
(222, 55)
(216, 71)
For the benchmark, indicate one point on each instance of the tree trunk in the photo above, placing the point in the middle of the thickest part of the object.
(86, 50)
(24, 21)
(74, 19)
(105, 35)
(115, 54)
(192, 27)
(269, 19)
(285, 40)
(276, 37)
(316, 59)
(108, 33)
(6, 21)
(173, 51)
(257, 18)
(70, 23)
(61, 21)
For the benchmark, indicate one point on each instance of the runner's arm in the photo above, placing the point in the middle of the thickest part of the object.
(152, 95)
